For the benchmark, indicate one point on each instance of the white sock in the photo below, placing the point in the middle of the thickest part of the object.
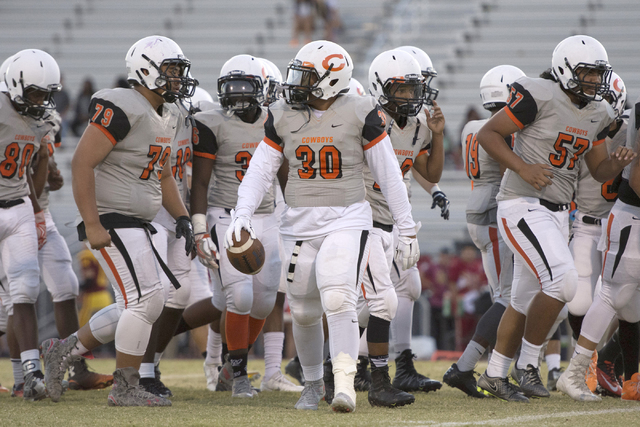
(581, 350)
(156, 358)
(30, 361)
(364, 347)
(273, 345)
(498, 366)
(553, 361)
(214, 348)
(18, 375)
(146, 370)
(529, 355)
(344, 334)
(470, 357)
(79, 349)
(401, 326)
(309, 342)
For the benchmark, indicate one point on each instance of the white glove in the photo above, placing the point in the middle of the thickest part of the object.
(41, 229)
(407, 252)
(205, 248)
(237, 224)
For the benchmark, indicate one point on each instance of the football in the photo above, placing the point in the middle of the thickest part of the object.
(247, 255)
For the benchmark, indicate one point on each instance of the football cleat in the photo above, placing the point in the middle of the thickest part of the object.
(17, 390)
(408, 379)
(3, 389)
(225, 376)
(343, 403)
(607, 379)
(81, 378)
(294, 369)
(329, 385)
(57, 358)
(591, 376)
(311, 395)
(529, 381)
(500, 388)
(278, 382)
(362, 382)
(162, 389)
(382, 393)
(465, 381)
(572, 381)
(127, 391)
(552, 378)
(34, 388)
(631, 388)
(242, 387)
(211, 372)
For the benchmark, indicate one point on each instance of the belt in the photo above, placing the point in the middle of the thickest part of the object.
(591, 220)
(385, 227)
(4, 204)
(555, 207)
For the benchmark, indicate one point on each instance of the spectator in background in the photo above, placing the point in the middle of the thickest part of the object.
(94, 287)
(122, 82)
(304, 16)
(63, 107)
(82, 115)
(441, 292)
(328, 11)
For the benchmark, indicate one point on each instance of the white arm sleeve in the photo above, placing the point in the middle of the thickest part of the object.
(258, 180)
(386, 172)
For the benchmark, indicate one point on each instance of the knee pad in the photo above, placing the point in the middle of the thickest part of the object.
(338, 299)
(305, 312)
(363, 317)
(409, 284)
(133, 332)
(629, 313)
(26, 289)
(263, 303)
(568, 286)
(240, 298)
(149, 307)
(103, 324)
(179, 298)
(391, 302)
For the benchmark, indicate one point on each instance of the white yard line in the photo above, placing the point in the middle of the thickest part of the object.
(527, 418)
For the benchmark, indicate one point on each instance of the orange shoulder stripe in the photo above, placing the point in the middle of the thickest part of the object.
(375, 141)
(105, 132)
(513, 118)
(272, 144)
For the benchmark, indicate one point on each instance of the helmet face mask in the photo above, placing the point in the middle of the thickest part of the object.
(274, 77)
(427, 70)
(404, 95)
(240, 93)
(589, 88)
(174, 79)
(36, 102)
(302, 82)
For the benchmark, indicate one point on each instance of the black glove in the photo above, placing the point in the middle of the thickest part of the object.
(185, 229)
(440, 199)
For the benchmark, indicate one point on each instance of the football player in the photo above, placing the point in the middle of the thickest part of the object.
(31, 78)
(618, 296)
(119, 187)
(325, 137)
(559, 120)
(485, 175)
(226, 139)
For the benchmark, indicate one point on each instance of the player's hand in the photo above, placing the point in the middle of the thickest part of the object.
(55, 180)
(440, 200)
(538, 175)
(185, 229)
(435, 120)
(237, 224)
(407, 251)
(41, 228)
(207, 251)
(622, 157)
(97, 236)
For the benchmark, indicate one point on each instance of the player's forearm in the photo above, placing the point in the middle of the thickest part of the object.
(386, 172)
(258, 180)
(435, 159)
(32, 196)
(606, 170)
(40, 170)
(494, 145)
(634, 178)
(171, 199)
(84, 193)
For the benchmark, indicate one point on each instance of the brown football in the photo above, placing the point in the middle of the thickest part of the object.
(247, 255)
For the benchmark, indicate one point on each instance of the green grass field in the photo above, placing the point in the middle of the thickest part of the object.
(194, 405)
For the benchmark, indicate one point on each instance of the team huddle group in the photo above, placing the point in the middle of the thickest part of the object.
(319, 172)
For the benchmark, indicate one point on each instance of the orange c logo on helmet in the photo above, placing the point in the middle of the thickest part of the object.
(326, 64)
(617, 85)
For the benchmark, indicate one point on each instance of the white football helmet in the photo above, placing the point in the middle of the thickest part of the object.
(396, 82)
(322, 69)
(274, 76)
(242, 84)
(581, 52)
(617, 95)
(428, 72)
(496, 83)
(3, 69)
(32, 72)
(356, 88)
(199, 98)
(145, 60)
